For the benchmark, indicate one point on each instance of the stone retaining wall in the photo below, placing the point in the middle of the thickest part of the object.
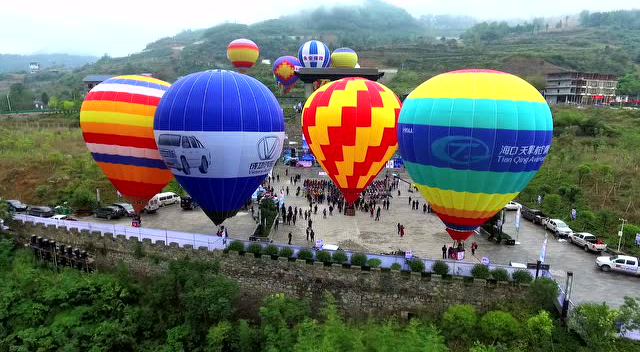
(360, 293)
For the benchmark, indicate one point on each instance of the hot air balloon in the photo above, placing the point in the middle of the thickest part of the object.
(220, 133)
(344, 57)
(471, 140)
(242, 53)
(350, 126)
(284, 72)
(116, 118)
(314, 53)
(319, 83)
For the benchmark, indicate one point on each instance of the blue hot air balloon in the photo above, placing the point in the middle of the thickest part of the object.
(220, 133)
(314, 53)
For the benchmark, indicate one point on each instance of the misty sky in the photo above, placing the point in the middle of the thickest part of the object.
(121, 27)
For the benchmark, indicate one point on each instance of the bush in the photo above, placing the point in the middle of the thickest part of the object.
(374, 262)
(396, 266)
(500, 274)
(440, 268)
(236, 246)
(359, 259)
(539, 330)
(339, 257)
(499, 326)
(458, 321)
(323, 256)
(522, 277)
(543, 292)
(270, 250)
(480, 271)
(286, 252)
(254, 248)
(305, 254)
(416, 265)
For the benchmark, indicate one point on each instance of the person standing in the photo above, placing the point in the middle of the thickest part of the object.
(290, 237)
(401, 230)
(278, 177)
(313, 235)
(444, 251)
(287, 190)
(424, 208)
(410, 200)
(371, 211)
(295, 215)
(398, 228)
(378, 214)
(275, 225)
(324, 213)
(308, 231)
(315, 209)
(310, 222)
(474, 246)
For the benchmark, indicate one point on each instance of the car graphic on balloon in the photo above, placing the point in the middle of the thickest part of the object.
(184, 153)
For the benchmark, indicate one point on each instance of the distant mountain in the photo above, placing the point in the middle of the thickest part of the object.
(15, 63)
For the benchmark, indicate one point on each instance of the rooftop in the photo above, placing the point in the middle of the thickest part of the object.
(97, 78)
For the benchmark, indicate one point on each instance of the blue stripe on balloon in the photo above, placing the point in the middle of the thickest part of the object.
(225, 194)
(135, 82)
(460, 227)
(128, 160)
(248, 107)
(477, 149)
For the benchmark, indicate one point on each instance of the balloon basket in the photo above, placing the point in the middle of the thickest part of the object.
(349, 209)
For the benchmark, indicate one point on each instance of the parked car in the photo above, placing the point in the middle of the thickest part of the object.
(108, 212)
(16, 205)
(587, 241)
(512, 206)
(558, 227)
(41, 211)
(63, 217)
(152, 206)
(184, 153)
(125, 208)
(167, 198)
(188, 203)
(534, 215)
(621, 263)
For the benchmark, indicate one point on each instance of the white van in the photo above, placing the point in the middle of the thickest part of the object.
(167, 198)
(152, 206)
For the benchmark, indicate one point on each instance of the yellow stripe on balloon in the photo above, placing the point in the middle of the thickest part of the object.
(473, 86)
(116, 118)
(119, 107)
(145, 79)
(480, 202)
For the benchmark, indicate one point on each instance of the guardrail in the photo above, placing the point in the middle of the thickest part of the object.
(212, 242)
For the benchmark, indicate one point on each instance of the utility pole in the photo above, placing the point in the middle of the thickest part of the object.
(9, 102)
(621, 233)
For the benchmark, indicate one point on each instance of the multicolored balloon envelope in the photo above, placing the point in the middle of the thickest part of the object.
(350, 125)
(344, 57)
(242, 53)
(472, 140)
(314, 53)
(220, 133)
(284, 72)
(117, 125)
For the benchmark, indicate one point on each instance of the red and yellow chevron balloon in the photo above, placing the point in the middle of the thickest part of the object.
(350, 125)
(117, 125)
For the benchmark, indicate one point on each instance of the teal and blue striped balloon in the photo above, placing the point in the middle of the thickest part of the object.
(471, 141)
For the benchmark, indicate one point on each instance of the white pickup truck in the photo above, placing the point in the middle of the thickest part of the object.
(587, 241)
(622, 263)
(558, 227)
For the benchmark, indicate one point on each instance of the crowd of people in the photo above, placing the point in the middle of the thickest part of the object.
(325, 198)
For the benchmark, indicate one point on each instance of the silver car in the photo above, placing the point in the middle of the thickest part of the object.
(184, 153)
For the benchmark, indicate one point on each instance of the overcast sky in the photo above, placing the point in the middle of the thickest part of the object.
(121, 27)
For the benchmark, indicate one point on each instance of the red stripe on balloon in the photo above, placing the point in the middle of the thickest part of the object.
(462, 221)
(243, 46)
(459, 235)
(124, 97)
(246, 64)
(126, 141)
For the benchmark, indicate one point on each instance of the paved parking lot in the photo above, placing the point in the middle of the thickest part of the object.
(424, 235)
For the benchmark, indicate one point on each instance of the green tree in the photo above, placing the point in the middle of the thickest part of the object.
(629, 314)
(543, 292)
(539, 329)
(279, 317)
(499, 326)
(596, 324)
(459, 322)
